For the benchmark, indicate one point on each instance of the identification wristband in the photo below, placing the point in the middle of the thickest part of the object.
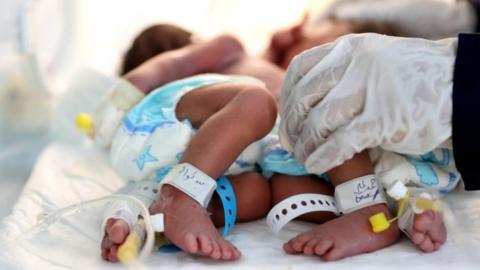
(358, 193)
(192, 182)
(295, 206)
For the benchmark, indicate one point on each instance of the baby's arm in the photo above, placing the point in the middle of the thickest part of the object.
(210, 56)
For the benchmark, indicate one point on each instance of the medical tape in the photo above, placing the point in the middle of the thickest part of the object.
(192, 181)
(124, 95)
(111, 111)
(358, 193)
(295, 206)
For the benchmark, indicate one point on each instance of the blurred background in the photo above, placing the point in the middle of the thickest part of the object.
(52, 50)
(56, 54)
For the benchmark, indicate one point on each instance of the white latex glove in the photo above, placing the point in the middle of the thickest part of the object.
(434, 19)
(112, 108)
(364, 91)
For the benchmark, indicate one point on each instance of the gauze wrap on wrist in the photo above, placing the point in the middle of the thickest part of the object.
(192, 182)
(358, 193)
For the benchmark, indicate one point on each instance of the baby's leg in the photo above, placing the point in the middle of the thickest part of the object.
(229, 117)
(351, 233)
(252, 192)
(253, 195)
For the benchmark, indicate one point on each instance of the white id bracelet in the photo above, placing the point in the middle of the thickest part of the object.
(358, 193)
(297, 205)
(192, 182)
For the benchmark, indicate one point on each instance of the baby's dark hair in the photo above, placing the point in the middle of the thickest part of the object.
(154, 40)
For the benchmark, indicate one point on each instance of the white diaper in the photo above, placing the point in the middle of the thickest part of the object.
(151, 138)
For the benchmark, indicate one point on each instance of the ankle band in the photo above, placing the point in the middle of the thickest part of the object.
(295, 206)
(229, 203)
(358, 193)
(192, 182)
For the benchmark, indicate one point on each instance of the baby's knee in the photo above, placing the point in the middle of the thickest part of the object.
(259, 107)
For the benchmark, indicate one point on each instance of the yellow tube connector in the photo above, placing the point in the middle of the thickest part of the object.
(379, 222)
(128, 252)
(84, 123)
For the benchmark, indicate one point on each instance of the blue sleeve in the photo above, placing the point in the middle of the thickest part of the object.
(466, 110)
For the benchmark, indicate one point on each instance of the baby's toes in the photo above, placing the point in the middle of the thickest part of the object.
(118, 231)
(426, 245)
(217, 251)
(105, 253)
(299, 242)
(417, 237)
(191, 243)
(423, 222)
(323, 247)
(309, 247)
(288, 248)
(112, 255)
(205, 245)
(227, 250)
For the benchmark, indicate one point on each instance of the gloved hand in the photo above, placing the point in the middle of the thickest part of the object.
(434, 19)
(112, 108)
(364, 91)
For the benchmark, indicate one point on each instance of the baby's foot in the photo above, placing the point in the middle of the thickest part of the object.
(345, 236)
(188, 226)
(116, 231)
(428, 231)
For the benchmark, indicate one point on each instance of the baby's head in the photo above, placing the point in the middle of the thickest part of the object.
(154, 40)
(303, 38)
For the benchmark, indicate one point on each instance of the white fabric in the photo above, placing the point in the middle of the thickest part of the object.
(435, 171)
(367, 90)
(358, 193)
(434, 19)
(192, 181)
(63, 176)
(297, 205)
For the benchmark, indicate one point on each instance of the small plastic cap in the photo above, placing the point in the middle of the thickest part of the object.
(84, 123)
(397, 191)
(379, 222)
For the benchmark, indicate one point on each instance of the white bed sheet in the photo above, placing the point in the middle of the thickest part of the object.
(65, 175)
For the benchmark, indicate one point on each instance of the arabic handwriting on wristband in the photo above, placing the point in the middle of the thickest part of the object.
(364, 191)
(188, 175)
